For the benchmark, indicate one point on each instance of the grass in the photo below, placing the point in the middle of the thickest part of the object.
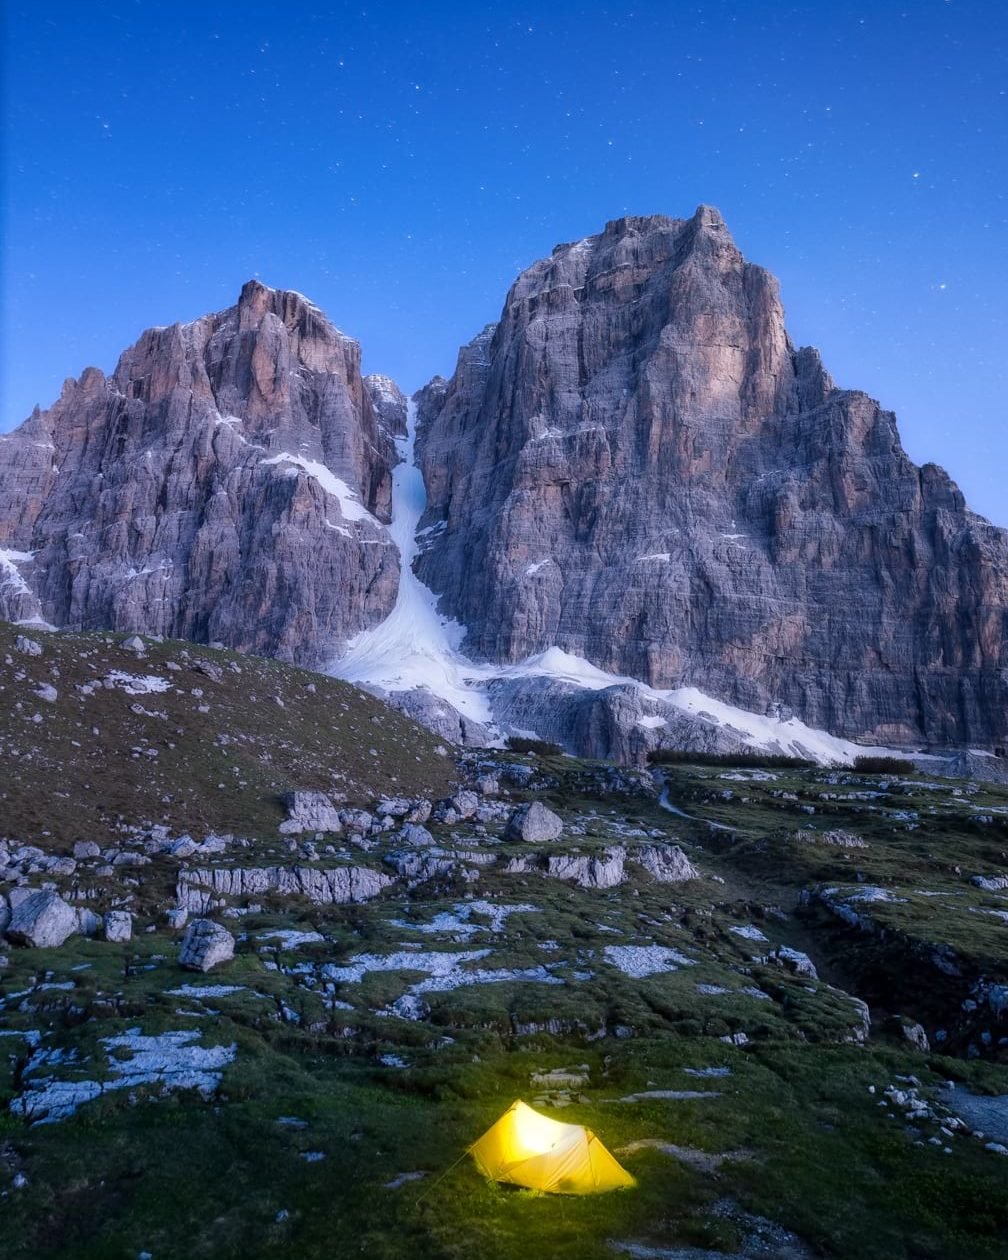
(84, 768)
(178, 1176)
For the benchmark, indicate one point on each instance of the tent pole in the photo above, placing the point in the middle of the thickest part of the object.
(438, 1181)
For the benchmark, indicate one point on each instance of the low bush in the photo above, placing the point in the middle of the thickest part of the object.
(676, 756)
(540, 747)
(882, 765)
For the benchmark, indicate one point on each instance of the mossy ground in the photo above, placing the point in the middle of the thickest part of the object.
(810, 1148)
(212, 753)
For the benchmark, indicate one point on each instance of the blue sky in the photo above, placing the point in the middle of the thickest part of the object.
(401, 162)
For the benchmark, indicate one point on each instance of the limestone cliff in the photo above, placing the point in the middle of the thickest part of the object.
(637, 466)
(229, 481)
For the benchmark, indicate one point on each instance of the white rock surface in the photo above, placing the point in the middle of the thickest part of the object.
(205, 945)
(118, 926)
(43, 920)
(534, 823)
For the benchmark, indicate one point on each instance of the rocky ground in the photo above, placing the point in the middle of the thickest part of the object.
(274, 956)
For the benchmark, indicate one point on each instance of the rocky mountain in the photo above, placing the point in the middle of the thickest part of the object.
(230, 481)
(636, 517)
(635, 465)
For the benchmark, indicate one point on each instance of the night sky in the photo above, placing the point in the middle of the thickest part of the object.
(399, 163)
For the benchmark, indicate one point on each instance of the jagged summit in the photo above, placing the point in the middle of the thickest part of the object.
(229, 481)
(640, 469)
(634, 469)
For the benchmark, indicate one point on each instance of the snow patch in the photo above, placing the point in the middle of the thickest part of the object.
(9, 575)
(351, 508)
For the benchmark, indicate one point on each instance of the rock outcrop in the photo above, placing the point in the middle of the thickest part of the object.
(309, 811)
(637, 466)
(199, 888)
(230, 482)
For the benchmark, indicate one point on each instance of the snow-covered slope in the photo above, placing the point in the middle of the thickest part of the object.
(415, 647)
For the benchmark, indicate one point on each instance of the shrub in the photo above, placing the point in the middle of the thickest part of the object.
(540, 747)
(674, 756)
(883, 765)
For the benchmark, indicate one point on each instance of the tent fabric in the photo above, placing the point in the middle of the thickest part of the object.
(525, 1148)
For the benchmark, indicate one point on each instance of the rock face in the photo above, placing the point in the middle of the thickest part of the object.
(205, 945)
(43, 920)
(229, 482)
(199, 887)
(638, 467)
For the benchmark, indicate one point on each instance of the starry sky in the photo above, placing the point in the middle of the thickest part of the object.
(401, 162)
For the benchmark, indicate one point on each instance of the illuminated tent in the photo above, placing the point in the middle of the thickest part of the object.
(527, 1149)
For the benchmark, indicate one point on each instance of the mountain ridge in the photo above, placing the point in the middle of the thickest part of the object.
(634, 467)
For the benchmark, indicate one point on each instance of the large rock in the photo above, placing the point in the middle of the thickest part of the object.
(665, 863)
(309, 811)
(205, 945)
(43, 920)
(638, 467)
(230, 481)
(533, 823)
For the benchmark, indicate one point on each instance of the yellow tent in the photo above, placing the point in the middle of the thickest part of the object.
(531, 1150)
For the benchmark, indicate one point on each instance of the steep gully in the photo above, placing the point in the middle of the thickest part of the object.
(416, 647)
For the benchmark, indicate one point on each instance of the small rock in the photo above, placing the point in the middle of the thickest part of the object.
(793, 960)
(118, 926)
(915, 1034)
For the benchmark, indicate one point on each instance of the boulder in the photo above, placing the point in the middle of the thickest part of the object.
(84, 849)
(665, 863)
(205, 945)
(200, 887)
(42, 920)
(415, 836)
(28, 646)
(533, 823)
(309, 811)
(118, 926)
